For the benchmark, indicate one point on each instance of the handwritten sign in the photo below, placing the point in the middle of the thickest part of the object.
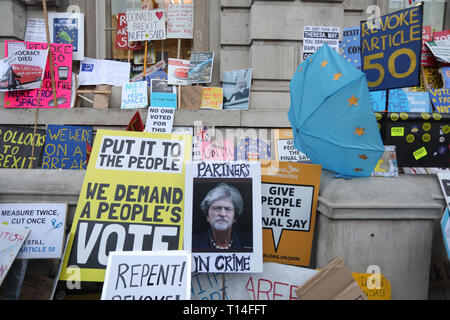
(47, 222)
(218, 150)
(134, 95)
(62, 56)
(11, 240)
(234, 187)
(65, 147)
(180, 21)
(160, 120)
(148, 276)
(122, 42)
(212, 98)
(35, 31)
(390, 49)
(146, 25)
(16, 144)
(440, 99)
(133, 192)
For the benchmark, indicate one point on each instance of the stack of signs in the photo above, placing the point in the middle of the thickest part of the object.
(390, 49)
(218, 150)
(211, 98)
(47, 222)
(350, 46)
(236, 89)
(284, 147)
(289, 202)
(68, 28)
(162, 275)
(65, 147)
(146, 25)
(22, 69)
(62, 59)
(315, 37)
(223, 216)
(134, 95)
(16, 146)
(132, 199)
(122, 42)
(178, 71)
(200, 67)
(11, 240)
(440, 99)
(95, 72)
(180, 21)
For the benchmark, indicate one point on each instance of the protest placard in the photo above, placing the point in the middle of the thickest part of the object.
(212, 98)
(94, 72)
(47, 222)
(223, 216)
(146, 25)
(440, 50)
(16, 144)
(68, 28)
(315, 37)
(252, 149)
(191, 97)
(445, 229)
(132, 199)
(236, 89)
(177, 72)
(160, 120)
(11, 240)
(440, 99)
(180, 21)
(62, 58)
(201, 67)
(218, 150)
(427, 59)
(390, 49)
(35, 31)
(284, 147)
(209, 286)
(350, 46)
(134, 95)
(158, 275)
(289, 202)
(65, 147)
(122, 42)
(162, 94)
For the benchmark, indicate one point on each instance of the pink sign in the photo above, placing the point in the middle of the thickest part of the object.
(218, 151)
(62, 59)
(122, 42)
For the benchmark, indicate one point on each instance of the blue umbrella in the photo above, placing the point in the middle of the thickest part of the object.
(332, 117)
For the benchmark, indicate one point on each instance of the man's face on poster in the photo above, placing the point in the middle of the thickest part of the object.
(221, 214)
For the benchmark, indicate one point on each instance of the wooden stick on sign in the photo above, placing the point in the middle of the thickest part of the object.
(179, 87)
(145, 60)
(50, 55)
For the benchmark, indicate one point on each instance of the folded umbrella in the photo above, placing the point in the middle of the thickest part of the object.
(332, 116)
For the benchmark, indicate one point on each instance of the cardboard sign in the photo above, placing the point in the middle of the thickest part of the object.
(94, 72)
(390, 49)
(160, 120)
(284, 147)
(62, 57)
(35, 31)
(223, 216)
(180, 21)
(65, 147)
(148, 276)
(350, 46)
(146, 25)
(162, 94)
(218, 150)
(236, 89)
(440, 99)
(212, 98)
(177, 72)
(201, 67)
(11, 239)
(315, 37)
(47, 222)
(16, 144)
(134, 95)
(191, 97)
(122, 42)
(132, 199)
(289, 203)
(68, 28)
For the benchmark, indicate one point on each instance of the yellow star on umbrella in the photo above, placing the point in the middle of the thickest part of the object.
(337, 76)
(359, 131)
(324, 63)
(353, 101)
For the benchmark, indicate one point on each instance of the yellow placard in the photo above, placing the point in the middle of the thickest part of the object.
(132, 199)
(375, 286)
(212, 98)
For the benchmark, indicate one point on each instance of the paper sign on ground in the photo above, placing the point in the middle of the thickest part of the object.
(158, 275)
(16, 145)
(315, 37)
(146, 25)
(236, 89)
(212, 98)
(132, 199)
(68, 28)
(289, 203)
(230, 244)
(160, 120)
(47, 222)
(65, 147)
(177, 72)
(180, 21)
(134, 95)
(284, 147)
(94, 72)
(35, 30)
(11, 240)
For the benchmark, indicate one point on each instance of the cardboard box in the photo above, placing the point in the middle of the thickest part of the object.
(334, 282)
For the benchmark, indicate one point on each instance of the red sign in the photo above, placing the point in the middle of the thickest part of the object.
(122, 42)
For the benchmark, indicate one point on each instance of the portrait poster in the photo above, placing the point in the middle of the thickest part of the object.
(223, 216)
(289, 203)
(68, 28)
(236, 89)
(132, 199)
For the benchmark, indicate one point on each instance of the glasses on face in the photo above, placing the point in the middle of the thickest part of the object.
(218, 209)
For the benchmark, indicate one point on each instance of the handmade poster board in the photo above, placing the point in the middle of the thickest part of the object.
(242, 182)
(11, 240)
(440, 99)
(65, 147)
(16, 144)
(35, 31)
(217, 150)
(122, 42)
(146, 25)
(209, 286)
(390, 49)
(160, 120)
(132, 199)
(289, 203)
(180, 21)
(134, 95)
(284, 147)
(68, 28)
(157, 275)
(47, 222)
(211, 98)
